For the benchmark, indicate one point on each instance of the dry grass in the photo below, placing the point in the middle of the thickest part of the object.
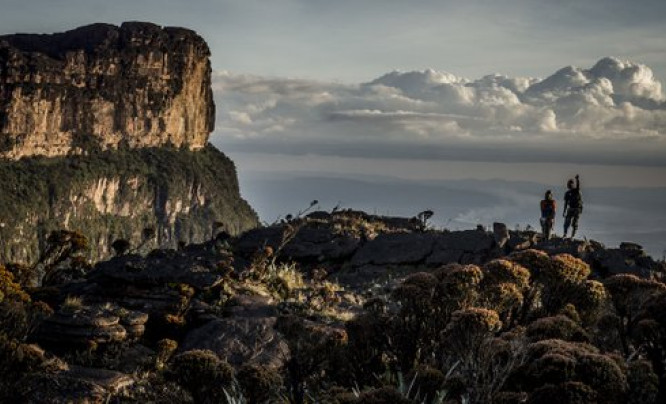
(72, 304)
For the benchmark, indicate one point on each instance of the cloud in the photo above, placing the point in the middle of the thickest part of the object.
(614, 100)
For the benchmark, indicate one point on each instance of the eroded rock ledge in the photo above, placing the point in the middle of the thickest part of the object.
(104, 87)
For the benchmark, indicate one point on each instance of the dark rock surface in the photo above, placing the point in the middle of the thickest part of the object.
(241, 340)
(86, 325)
(395, 248)
(226, 300)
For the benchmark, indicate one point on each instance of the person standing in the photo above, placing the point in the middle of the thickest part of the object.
(548, 207)
(573, 206)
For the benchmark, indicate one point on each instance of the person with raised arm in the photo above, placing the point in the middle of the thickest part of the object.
(573, 206)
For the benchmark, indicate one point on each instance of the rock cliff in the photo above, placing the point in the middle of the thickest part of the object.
(181, 194)
(104, 130)
(104, 87)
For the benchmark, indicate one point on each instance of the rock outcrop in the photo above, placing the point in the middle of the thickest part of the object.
(83, 326)
(262, 308)
(104, 87)
(104, 131)
(180, 194)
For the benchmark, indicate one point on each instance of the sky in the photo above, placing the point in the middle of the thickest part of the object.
(358, 40)
(501, 92)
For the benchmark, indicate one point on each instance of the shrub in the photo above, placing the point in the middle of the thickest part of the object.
(553, 368)
(120, 246)
(562, 283)
(569, 269)
(558, 363)
(643, 383)
(604, 375)
(72, 304)
(316, 351)
(556, 327)
(383, 395)
(18, 360)
(203, 374)
(505, 271)
(536, 261)
(259, 383)
(505, 298)
(469, 328)
(629, 293)
(52, 389)
(479, 360)
(9, 289)
(565, 393)
(165, 349)
(419, 320)
(509, 397)
(24, 275)
(369, 339)
(428, 382)
(458, 289)
(630, 296)
(592, 301)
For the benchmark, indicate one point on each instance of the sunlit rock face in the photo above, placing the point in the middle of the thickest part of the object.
(104, 87)
(104, 130)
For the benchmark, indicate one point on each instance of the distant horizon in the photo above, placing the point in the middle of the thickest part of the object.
(611, 215)
(409, 91)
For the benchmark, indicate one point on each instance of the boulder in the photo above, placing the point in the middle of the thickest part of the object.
(521, 240)
(256, 239)
(626, 259)
(396, 249)
(320, 244)
(241, 340)
(465, 247)
(501, 234)
(250, 306)
(109, 380)
(577, 248)
(150, 271)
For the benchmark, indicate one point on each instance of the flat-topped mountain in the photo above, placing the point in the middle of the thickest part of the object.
(104, 131)
(104, 87)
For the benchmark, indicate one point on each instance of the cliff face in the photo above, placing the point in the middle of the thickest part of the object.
(104, 130)
(104, 87)
(110, 195)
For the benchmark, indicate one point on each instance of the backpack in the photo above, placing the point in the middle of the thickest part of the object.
(547, 208)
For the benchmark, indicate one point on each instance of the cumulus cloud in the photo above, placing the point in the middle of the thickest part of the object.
(614, 99)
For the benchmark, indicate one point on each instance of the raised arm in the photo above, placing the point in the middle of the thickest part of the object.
(577, 181)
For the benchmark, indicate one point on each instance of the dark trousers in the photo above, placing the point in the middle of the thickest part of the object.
(571, 219)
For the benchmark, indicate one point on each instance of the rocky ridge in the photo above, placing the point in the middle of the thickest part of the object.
(265, 298)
